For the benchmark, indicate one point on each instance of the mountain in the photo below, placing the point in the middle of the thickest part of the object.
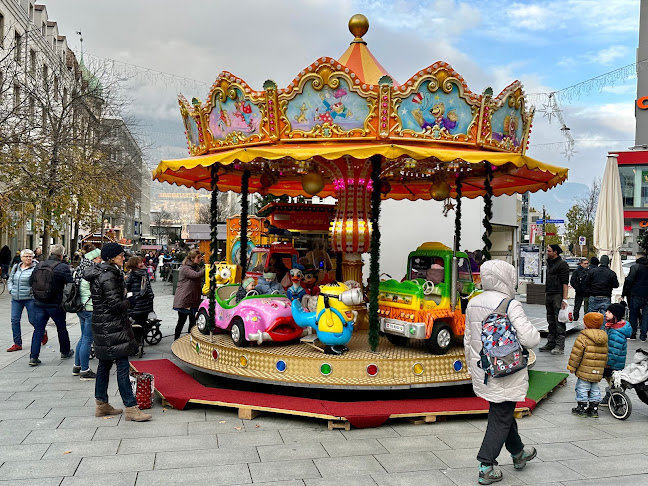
(559, 200)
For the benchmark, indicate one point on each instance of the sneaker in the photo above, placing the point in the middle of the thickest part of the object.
(632, 338)
(643, 340)
(76, 370)
(45, 338)
(34, 362)
(14, 347)
(555, 351)
(523, 457)
(489, 475)
(87, 375)
(547, 347)
(69, 354)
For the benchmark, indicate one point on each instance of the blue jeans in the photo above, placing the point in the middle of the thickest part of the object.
(587, 391)
(599, 304)
(41, 315)
(82, 355)
(123, 381)
(638, 304)
(17, 307)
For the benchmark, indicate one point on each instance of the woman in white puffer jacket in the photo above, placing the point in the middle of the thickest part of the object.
(498, 281)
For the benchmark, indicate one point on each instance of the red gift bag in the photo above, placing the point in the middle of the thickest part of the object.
(142, 384)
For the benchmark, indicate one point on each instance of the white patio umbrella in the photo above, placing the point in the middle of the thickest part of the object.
(608, 225)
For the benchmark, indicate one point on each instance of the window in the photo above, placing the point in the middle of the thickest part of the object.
(65, 95)
(32, 109)
(43, 29)
(56, 88)
(43, 116)
(31, 12)
(16, 92)
(45, 75)
(32, 62)
(18, 47)
(1, 30)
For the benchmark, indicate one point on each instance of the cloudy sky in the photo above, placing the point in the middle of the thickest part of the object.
(547, 45)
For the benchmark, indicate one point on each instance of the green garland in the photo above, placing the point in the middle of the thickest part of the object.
(213, 247)
(244, 221)
(374, 266)
(488, 211)
(458, 215)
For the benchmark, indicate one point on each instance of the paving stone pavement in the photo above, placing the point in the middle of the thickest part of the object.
(49, 435)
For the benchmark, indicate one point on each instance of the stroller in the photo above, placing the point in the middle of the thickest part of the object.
(635, 375)
(147, 331)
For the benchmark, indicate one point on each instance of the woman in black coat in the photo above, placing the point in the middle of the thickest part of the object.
(138, 283)
(113, 334)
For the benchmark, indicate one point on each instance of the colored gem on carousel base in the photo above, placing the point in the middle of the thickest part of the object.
(334, 318)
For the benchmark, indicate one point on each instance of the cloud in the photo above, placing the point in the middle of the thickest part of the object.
(608, 55)
(531, 17)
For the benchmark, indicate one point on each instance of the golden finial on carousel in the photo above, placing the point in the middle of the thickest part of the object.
(358, 26)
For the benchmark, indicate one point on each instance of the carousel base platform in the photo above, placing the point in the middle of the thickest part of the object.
(178, 389)
(304, 365)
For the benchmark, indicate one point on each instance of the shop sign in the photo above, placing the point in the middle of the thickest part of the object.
(642, 103)
(627, 228)
(643, 224)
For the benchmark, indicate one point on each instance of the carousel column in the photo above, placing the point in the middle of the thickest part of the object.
(244, 222)
(374, 268)
(213, 247)
(488, 211)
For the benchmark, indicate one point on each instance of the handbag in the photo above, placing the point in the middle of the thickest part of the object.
(143, 388)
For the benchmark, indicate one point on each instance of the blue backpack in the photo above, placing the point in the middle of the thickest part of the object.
(501, 353)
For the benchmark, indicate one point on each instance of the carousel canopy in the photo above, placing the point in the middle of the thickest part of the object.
(336, 114)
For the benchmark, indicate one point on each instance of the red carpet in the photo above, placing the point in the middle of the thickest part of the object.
(178, 388)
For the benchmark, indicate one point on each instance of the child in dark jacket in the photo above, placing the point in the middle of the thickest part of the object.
(587, 360)
(618, 332)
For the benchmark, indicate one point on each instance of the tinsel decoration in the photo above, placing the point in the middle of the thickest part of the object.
(213, 247)
(244, 220)
(338, 266)
(488, 211)
(458, 215)
(374, 266)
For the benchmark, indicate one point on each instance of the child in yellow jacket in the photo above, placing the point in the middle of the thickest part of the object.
(587, 360)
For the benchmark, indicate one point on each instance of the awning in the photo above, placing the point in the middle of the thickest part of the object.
(514, 173)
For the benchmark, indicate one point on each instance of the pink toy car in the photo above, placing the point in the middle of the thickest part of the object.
(257, 318)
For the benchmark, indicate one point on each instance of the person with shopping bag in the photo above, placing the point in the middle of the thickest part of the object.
(114, 339)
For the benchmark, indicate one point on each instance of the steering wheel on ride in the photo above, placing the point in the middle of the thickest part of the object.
(428, 288)
(252, 292)
(276, 292)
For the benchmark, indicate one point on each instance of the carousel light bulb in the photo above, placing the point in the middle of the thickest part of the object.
(440, 191)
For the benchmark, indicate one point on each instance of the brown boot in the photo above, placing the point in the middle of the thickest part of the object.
(104, 409)
(136, 415)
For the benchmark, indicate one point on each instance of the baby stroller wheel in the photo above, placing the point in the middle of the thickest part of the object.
(620, 405)
(153, 336)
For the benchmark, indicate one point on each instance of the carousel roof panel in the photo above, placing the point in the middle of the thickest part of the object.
(361, 61)
(410, 170)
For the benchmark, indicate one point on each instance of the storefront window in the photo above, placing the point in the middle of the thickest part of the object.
(634, 185)
(627, 176)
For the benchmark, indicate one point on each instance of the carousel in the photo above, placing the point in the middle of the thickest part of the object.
(346, 128)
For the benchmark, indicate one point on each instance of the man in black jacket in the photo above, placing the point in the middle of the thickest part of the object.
(600, 281)
(50, 306)
(636, 289)
(579, 282)
(556, 298)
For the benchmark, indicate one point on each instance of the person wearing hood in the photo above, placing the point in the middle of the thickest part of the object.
(587, 360)
(600, 281)
(114, 339)
(498, 281)
(618, 332)
(268, 284)
(189, 290)
(556, 293)
(635, 289)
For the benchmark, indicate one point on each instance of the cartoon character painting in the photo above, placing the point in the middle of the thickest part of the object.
(436, 113)
(511, 132)
(192, 130)
(339, 106)
(234, 115)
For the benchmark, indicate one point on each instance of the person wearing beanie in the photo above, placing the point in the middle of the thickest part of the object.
(268, 284)
(618, 332)
(600, 282)
(248, 285)
(81, 367)
(114, 339)
(556, 290)
(594, 262)
(587, 361)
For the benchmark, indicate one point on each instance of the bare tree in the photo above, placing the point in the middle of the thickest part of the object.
(161, 219)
